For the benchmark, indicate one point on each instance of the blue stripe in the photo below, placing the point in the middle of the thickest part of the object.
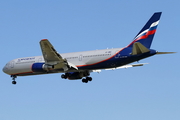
(125, 58)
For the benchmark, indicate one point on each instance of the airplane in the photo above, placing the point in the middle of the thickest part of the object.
(79, 65)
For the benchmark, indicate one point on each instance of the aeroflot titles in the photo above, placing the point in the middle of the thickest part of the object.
(19, 60)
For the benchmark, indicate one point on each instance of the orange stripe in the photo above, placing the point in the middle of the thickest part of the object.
(22, 73)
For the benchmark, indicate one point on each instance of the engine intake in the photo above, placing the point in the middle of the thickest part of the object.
(41, 67)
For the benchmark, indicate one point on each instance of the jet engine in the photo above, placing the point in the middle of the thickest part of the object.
(41, 67)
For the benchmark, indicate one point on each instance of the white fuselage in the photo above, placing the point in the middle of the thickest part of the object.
(22, 66)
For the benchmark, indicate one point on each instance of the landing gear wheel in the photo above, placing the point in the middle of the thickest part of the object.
(13, 82)
(84, 80)
(63, 76)
(89, 78)
(13, 78)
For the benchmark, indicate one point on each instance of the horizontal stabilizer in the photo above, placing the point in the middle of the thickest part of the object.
(165, 53)
(138, 48)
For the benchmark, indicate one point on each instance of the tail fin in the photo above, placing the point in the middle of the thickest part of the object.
(145, 36)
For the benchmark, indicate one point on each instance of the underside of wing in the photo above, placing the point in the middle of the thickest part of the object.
(124, 66)
(128, 66)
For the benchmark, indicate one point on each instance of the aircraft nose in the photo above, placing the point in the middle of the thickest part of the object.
(5, 69)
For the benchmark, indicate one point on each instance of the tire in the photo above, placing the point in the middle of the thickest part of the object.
(63, 76)
(89, 78)
(14, 82)
(84, 80)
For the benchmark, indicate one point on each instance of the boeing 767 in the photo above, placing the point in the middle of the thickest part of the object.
(79, 65)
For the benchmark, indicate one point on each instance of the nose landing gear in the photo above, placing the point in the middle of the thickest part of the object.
(13, 78)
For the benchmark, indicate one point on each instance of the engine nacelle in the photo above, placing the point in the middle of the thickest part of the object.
(41, 67)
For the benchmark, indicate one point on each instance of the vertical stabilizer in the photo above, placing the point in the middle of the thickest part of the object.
(145, 36)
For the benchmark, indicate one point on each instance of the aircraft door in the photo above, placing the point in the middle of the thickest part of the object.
(80, 57)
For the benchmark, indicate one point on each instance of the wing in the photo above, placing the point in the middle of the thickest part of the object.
(124, 66)
(128, 66)
(52, 57)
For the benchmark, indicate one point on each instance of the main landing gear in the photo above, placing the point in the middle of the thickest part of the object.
(13, 78)
(87, 79)
(63, 76)
(84, 80)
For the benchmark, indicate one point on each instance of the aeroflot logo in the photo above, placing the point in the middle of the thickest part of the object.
(22, 59)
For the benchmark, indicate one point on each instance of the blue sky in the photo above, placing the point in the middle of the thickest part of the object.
(141, 93)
